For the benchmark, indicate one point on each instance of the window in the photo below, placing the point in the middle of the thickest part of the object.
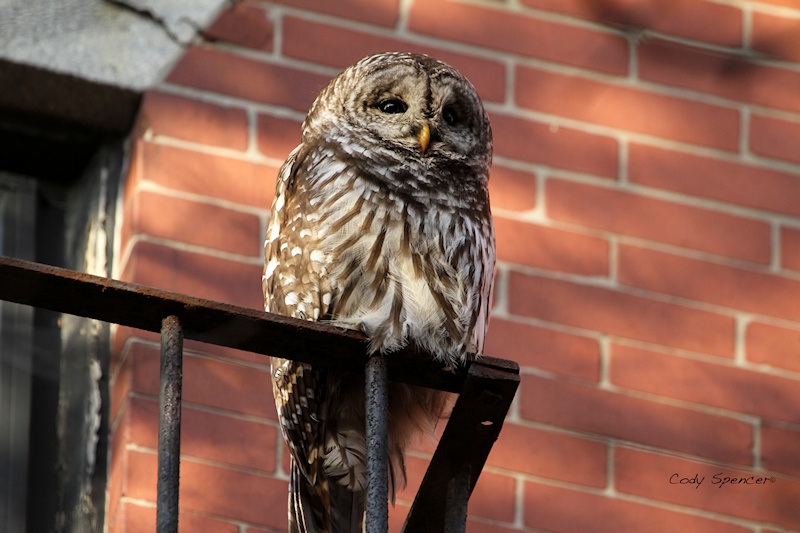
(57, 198)
(17, 205)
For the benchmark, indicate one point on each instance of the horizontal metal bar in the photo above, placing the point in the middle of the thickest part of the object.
(142, 307)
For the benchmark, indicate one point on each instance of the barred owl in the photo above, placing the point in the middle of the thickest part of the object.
(380, 222)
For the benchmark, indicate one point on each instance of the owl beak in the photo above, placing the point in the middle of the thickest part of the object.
(424, 137)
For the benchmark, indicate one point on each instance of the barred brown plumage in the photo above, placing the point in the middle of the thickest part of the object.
(381, 222)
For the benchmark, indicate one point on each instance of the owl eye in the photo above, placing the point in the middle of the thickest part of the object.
(450, 115)
(392, 106)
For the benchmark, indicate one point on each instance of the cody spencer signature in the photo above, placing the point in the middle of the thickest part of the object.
(720, 480)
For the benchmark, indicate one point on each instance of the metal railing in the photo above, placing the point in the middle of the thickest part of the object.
(485, 387)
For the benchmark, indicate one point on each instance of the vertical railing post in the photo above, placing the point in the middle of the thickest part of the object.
(377, 412)
(169, 425)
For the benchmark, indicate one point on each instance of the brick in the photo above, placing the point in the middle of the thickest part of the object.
(136, 164)
(384, 13)
(636, 420)
(243, 24)
(238, 388)
(120, 387)
(624, 315)
(738, 288)
(213, 176)
(636, 215)
(549, 144)
(199, 275)
(227, 73)
(732, 182)
(114, 523)
(648, 475)
(563, 509)
(476, 526)
(277, 136)
(790, 248)
(127, 227)
(713, 384)
(539, 246)
(776, 36)
(193, 120)
(703, 21)
(415, 470)
(197, 223)
(310, 41)
(212, 490)
(210, 436)
(493, 497)
(558, 456)
(397, 516)
(511, 189)
(545, 349)
(627, 108)
(795, 4)
(774, 137)
(532, 36)
(773, 345)
(779, 446)
(119, 337)
(117, 469)
(726, 75)
(141, 519)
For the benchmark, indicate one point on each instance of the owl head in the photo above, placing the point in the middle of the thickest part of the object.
(408, 114)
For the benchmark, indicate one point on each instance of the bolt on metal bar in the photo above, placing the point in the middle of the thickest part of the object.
(377, 413)
(169, 425)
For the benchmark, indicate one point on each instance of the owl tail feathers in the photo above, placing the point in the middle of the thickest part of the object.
(308, 511)
(331, 508)
(347, 509)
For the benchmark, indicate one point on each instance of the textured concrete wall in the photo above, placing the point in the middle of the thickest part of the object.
(126, 43)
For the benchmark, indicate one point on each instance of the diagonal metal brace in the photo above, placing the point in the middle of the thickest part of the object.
(474, 425)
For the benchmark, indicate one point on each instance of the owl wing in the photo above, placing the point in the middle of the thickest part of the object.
(295, 273)
(482, 285)
(295, 284)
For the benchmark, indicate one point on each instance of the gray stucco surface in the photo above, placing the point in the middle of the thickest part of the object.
(124, 43)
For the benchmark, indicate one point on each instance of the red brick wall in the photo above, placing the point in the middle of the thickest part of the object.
(646, 191)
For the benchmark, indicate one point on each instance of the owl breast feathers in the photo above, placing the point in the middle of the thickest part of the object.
(381, 222)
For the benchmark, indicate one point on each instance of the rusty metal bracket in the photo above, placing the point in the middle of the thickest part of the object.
(474, 425)
(486, 386)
